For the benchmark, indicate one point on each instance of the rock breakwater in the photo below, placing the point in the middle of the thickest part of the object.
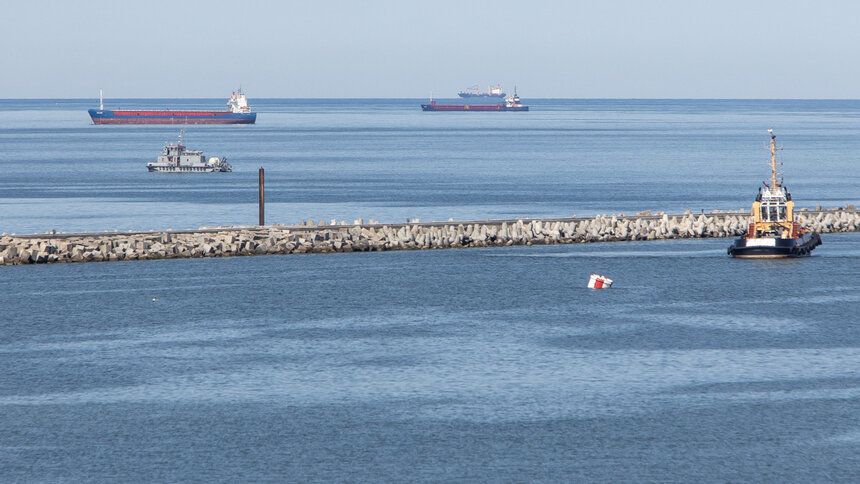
(359, 237)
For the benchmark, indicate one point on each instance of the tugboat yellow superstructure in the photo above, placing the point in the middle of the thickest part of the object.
(773, 231)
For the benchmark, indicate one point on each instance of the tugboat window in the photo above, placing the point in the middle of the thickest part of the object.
(773, 213)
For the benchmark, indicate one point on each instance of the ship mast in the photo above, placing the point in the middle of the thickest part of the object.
(773, 150)
(101, 101)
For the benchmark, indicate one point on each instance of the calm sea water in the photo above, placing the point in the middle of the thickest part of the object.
(388, 160)
(485, 365)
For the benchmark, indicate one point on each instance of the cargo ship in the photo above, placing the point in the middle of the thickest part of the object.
(511, 103)
(474, 91)
(773, 231)
(237, 112)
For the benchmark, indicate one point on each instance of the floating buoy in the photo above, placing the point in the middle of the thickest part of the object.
(596, 281)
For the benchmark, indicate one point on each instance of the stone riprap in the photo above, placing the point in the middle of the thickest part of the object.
(359, 237)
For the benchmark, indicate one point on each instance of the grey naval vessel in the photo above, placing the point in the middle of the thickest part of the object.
(174, 158)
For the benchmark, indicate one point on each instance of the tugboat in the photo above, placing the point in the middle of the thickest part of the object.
(174, 158)
(773, 232)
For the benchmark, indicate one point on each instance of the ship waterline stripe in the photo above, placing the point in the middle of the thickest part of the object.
(102, 116)
(763, 242)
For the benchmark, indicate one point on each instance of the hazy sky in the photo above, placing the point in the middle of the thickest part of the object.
(401, 48)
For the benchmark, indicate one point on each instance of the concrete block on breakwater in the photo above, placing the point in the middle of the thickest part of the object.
(341, 237)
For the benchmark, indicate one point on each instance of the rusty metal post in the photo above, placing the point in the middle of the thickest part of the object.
(262, 198)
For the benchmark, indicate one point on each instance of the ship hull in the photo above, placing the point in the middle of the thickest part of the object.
(185, 169)
(774, 247)
(107, 116)
(472, 107)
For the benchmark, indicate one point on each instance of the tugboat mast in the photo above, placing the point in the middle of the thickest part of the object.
(773, 150)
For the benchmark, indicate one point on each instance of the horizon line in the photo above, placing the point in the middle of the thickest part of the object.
(425, 97)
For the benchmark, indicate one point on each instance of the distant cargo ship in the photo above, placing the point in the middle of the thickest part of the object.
(474, 91)
(512, 103)
(237, 112)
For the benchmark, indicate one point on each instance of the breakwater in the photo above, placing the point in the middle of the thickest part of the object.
(310, 237)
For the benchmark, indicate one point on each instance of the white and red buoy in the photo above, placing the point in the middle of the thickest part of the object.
(596, 281)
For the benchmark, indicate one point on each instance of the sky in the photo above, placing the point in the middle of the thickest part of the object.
(410, 49)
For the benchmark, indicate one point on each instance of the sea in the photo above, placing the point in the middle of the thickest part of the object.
(461, 365)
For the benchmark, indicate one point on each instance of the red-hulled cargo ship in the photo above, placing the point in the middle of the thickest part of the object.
(238, 112)
(512, 103)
